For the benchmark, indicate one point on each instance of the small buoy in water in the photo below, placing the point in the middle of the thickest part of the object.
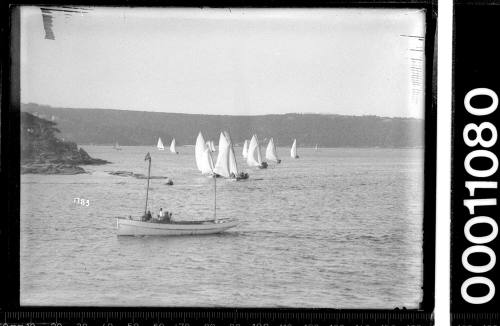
(169, 182)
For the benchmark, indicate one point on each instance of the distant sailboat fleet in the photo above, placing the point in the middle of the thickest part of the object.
(251, 152)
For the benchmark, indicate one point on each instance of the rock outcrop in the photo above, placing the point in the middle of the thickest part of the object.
(43, 153)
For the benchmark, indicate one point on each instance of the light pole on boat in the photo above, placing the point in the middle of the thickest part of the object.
(147, 158)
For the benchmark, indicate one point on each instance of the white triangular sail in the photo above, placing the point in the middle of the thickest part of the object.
(222, 164)
(316, 147)
(223, 142)
(172, 146)
(271, 151)
(160, 144)
(233, 165)
(199, 151)
(245, 149)
(293, 151)
(254, 158)
(207, 164)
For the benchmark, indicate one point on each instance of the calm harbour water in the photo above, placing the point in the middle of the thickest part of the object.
(338, 228)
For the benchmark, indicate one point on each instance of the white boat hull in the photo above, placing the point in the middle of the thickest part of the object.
(135, 227)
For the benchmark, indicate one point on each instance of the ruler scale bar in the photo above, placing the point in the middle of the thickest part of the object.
(218, 318)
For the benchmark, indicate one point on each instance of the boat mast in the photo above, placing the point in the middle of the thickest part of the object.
(148, 158)
(215, 198)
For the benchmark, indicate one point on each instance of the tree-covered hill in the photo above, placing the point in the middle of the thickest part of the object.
(103, 126)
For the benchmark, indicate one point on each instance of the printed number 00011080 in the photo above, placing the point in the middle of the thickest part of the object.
(473, 136)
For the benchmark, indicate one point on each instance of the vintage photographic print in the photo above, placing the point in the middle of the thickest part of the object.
(208, 157)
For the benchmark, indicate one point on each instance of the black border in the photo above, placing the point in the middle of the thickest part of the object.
(10, 128)
(475, 65)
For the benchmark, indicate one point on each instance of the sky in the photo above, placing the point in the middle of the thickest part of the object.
(227, 61)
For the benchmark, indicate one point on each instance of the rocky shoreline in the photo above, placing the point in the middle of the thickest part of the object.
(140, 176)
(49, 168)
(43, 153)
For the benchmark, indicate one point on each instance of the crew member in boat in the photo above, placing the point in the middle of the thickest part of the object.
(164, 216)
(146, 217)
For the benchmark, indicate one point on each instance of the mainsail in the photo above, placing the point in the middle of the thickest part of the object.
(233, 165)
(222, 164)
(207, 164)
(293, 151)
(199, 151)
(223, 142)
(160, 144)
(226, 165)
(254, 158)
(245, 149)
(271, 151)
(172, 146)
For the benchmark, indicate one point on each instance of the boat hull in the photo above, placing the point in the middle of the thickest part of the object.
(137, 228)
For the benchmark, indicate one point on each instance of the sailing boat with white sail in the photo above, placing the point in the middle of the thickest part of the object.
(293, 151)
(271, 154)
(226, 165)
(203, 157)
(316, 148)
(166, 226)
(222, 163)
(254, 158)
(160, 144)
(245, 149)
(117, 147)
(172, 147)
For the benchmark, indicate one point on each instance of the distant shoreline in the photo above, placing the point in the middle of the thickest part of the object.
(135, 128)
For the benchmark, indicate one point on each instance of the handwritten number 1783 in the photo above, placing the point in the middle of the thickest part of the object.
(81, 201)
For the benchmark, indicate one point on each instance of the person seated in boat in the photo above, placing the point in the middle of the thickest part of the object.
(146, 217)
(161, 214)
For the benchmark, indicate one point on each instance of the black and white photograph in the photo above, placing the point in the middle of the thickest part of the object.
(222, 157)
